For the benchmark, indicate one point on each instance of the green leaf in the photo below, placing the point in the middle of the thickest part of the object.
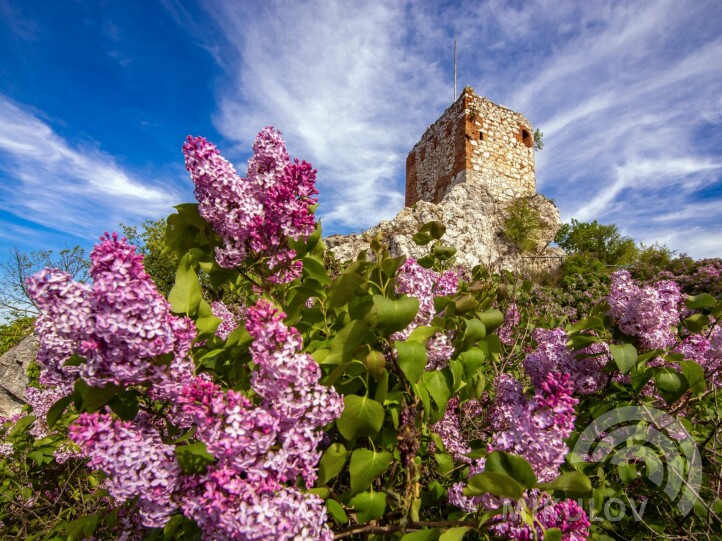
(125, 405)
(422, 535)
(572, 484)
(696, 322)
(435, 229)
(580, 341)
(454, 534)
(390, 316)
(412, 359)
(422, 238)
(185, 296)
(336, 511)
(670, 384)
(344, 287)
(331, 462)
(553, 534)
(445, 462)
(361, 417)
(22, 424)
(314, 269)
(443, 253)
(422, 333)
(439, 384)
(369, 506)
(188, 213)
(472, 360)
(365, 466)
(498, 484)
(194, 458)
(695, 376)
(475, 330)
(514, 466)
(465, 303)
(704, 300)
(491, 319)
(625, 356)
(94, 398)
(56, 410)
(346, 341)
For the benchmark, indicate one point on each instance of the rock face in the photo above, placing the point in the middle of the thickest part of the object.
(474, 225)
(13, 381)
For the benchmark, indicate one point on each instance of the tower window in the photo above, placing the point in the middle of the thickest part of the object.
(481, 136)
(526, 138)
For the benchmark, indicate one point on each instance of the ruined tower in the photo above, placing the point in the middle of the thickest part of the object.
(474, 141)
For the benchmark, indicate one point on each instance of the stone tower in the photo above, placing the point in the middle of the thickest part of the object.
(477, 142)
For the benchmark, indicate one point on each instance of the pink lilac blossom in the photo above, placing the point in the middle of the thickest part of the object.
(228, 320)
(255, 215)
(567, 515)
(41, 400)
(120, 325)
(584, 367)
(537, 434)
(650, 313)
(707, 352)
(425, 285)
(136, 461)
(511, 320)
(258, 448)
(6, 449)
(449, 430)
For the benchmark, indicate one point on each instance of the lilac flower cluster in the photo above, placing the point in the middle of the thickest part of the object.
(585, 367)
(511, 320)
(255, 215)
(120, 325)
(650, 313)
(228, 320)
(536, 433)
(136, 461)
(259, 451)
(426, 284)
(41, 400)
(449, 430)
(567, 515)
(707, 352)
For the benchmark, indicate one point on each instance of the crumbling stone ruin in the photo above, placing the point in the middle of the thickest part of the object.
(467, 170)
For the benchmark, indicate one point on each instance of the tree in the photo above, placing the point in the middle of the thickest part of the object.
(19, 266)
(159, 263)
(604, 242)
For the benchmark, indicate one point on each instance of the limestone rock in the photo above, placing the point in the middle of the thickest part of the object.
(13, 381)
(474, 225)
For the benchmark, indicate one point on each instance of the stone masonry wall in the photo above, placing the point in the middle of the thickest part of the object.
(474, 141)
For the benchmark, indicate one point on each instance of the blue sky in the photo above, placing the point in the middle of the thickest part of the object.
(97, 97)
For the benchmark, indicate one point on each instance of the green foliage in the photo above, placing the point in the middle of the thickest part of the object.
(522, 225)
(158, 262)
(538, 140)
(603, 242)
(12, 333)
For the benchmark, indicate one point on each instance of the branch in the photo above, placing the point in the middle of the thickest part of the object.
(398, 527)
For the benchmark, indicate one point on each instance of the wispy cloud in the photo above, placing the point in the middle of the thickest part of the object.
(73, 188)
(341, 82)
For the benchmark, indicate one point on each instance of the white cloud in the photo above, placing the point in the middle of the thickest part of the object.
(76, 189)
(623, 91)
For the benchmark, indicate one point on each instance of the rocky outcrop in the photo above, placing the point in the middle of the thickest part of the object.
(474, 225)
(13, 378)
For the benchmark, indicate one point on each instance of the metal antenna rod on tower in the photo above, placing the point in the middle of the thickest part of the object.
(454, 72)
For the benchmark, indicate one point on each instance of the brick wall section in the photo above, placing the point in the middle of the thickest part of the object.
(475, 141)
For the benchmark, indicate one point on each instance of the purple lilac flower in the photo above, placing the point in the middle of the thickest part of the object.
(136, 461)
(120, 324)
(511, 320)
(41, 400)
(585, 367)
(650, 313)
(228, 320)
(567, 515)
(425, 285)
(255, 215)
(537, 434)
(449, 430)
(6, 449)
